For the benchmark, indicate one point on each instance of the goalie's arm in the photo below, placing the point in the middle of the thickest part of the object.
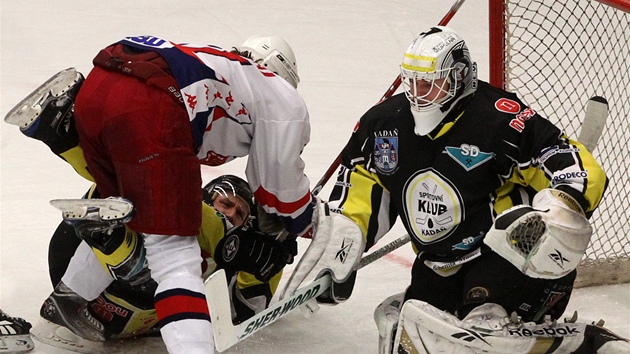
(548, 158)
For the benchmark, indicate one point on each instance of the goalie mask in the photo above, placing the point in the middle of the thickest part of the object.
(436, 72)
(275, 54)
(231, 196)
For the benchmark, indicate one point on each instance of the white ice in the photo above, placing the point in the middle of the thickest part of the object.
(348, 54)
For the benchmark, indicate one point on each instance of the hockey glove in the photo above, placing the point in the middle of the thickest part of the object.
(544, 241)
(244, 249)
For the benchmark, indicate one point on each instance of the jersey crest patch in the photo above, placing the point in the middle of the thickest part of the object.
(386, 153)
(468, 156)
(433, 206)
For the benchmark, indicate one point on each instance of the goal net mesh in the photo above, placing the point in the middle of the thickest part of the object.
(556, 54)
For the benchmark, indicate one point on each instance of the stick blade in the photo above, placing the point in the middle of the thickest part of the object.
(594, 122)
(218, 297)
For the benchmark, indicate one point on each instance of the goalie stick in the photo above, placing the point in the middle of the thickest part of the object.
(226, 334)
(594, 121)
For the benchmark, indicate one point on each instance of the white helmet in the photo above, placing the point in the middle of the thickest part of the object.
(275, 54)
(439, 53)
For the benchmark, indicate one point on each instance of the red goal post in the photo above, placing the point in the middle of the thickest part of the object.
(556, 54)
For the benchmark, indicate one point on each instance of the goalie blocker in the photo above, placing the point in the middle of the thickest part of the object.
(335, 250)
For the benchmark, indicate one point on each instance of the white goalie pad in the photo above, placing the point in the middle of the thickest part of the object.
(336, 247)
(423, 328)
(545, 241)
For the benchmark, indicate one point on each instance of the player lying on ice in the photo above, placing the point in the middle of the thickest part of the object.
(147, 115)
(496, 200)
(229, 216)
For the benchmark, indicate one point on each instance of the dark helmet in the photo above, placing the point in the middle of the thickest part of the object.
(229, 184)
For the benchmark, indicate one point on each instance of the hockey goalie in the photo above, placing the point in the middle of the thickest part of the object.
(496, 200)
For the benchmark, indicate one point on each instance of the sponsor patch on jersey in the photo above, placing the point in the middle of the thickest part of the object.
(507, 106)
(468, 156)
(468, 242)
(560, 177)
(433, 206)
(518, 123)
(546, 153)
(386, 153)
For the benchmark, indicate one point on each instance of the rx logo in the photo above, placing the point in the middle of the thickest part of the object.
(558, 258)
(342, 254)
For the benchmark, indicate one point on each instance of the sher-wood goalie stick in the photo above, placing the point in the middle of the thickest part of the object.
(227, 334)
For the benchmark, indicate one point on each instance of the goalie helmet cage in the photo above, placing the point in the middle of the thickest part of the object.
(556, 54)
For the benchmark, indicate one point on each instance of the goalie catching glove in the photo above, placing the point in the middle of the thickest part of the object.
(244, 249)
(546, 240)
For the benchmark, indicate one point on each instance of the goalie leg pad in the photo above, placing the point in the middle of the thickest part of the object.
(423, 328)
(543, 243)
(386, 317)
(336, 248)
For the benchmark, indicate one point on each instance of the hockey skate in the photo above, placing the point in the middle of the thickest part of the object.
(113, 210)
(95, 218)
(14, 336)
(67, 309)
(46, 113)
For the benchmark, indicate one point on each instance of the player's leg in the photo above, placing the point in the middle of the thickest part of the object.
(426, 285)
(63, 243)
(47, 114)
(492, 279)
(100, 224)
(145, 134)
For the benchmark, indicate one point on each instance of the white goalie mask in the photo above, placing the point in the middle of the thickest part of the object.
(275, 54)
(436, 72)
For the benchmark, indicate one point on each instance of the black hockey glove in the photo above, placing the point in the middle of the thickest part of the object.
(244, 249)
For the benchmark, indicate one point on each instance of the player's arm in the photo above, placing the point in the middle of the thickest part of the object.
(550, 159)
(275, 168)
(548, 238)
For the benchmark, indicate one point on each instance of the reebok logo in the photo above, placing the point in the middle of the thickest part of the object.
(545, 332)
(342, 254)
(470, 336)
(558, 258)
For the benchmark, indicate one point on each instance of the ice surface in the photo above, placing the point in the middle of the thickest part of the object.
(348, 54)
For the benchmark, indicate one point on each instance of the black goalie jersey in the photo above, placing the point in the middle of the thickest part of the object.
(447, 187)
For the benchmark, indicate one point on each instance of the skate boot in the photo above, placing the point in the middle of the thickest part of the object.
(67, 309)
(14, 337)
(47, 113)
(100, 223)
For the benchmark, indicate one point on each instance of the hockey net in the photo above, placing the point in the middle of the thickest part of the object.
(556, 54)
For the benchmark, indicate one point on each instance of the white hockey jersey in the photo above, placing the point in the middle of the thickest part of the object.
(237, 108)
